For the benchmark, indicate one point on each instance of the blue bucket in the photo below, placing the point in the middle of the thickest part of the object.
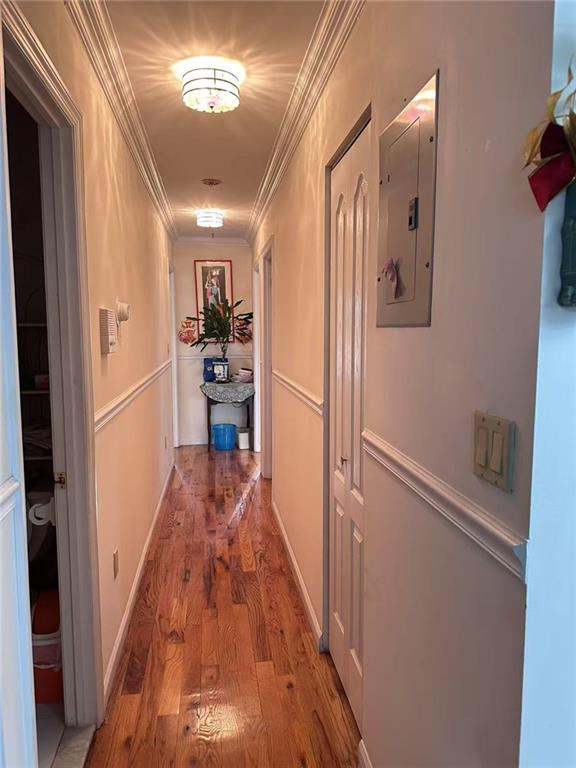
(224, 436)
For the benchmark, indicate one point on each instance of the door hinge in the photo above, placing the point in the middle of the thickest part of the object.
(60, 479)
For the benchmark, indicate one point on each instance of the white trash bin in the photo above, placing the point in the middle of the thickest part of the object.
(243, 439)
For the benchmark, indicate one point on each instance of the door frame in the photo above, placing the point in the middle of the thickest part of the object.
(263, 352)
(345, 145)
(174, 359)
(32, 78)
(256, 357)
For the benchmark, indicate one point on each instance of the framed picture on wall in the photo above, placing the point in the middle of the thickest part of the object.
(213, 283)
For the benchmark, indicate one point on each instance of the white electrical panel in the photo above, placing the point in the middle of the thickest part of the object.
(406, 212)
(108, 331)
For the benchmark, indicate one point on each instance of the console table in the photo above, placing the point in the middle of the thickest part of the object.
(236, 393)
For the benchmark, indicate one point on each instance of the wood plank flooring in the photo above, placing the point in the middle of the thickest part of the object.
(219, 666)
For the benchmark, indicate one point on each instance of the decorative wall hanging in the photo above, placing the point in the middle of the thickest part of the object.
(551, 148)
(213, 283)
(188, 331)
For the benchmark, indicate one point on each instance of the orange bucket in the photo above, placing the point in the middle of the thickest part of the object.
(47, 649)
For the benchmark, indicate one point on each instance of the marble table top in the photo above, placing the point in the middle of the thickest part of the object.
(232, 392)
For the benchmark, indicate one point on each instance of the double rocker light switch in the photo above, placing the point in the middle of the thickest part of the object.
(494, 444)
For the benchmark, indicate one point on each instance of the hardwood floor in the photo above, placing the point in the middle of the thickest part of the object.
(219, 666)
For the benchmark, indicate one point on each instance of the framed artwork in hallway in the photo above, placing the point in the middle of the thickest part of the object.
(213, 283)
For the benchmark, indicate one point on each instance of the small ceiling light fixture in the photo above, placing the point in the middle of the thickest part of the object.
(211, 218)
(211, 83)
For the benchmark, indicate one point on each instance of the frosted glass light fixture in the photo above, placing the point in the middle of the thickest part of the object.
(211, 83)
(210, 217)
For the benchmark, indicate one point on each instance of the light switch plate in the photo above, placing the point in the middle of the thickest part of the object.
(494, 449)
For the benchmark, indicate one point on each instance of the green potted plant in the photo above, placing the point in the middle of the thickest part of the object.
(218, 324)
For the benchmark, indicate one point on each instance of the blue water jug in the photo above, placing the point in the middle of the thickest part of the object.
(224, 436)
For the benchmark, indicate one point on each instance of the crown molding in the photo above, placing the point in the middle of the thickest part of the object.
(214, 242)
(29, 53)
(333, 28)
(93, 23)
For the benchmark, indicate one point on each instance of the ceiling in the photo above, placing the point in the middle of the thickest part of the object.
(269, 39)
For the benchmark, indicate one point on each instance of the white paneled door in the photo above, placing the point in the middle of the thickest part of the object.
(17, 713)
(349, 248)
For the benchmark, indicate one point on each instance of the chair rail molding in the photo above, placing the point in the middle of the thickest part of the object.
(307, 397)
(118, 404)
(507, 547)
(93, 23)
(333, 28)
(201, 355)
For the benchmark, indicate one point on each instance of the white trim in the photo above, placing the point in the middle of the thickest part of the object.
(93, 23)
(503, 544)
(247, 356)
(363, 756)
(114, 407)
(212, 242)
(186, 441)
(174, 359)
(123, 628)
(333, 28)
(8, 489)
(303, 394)
(28, 54)
(312, 618)
(256, 355)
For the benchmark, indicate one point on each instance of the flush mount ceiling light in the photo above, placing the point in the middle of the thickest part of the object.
(210, 217)
(211, 83)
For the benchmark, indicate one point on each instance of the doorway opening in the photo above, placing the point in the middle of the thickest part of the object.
(52, 356)
(40, 408)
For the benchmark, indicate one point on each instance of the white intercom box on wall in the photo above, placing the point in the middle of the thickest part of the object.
(108, 331)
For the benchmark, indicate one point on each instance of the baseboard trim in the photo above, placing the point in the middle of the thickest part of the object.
(505, 546)
(121, 636)
(363, 756)
(316, 629)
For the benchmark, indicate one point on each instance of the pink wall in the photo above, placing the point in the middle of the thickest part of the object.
(444, 616)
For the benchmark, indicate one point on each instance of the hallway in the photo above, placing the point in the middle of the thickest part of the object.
(219, 665)
(307, 233)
